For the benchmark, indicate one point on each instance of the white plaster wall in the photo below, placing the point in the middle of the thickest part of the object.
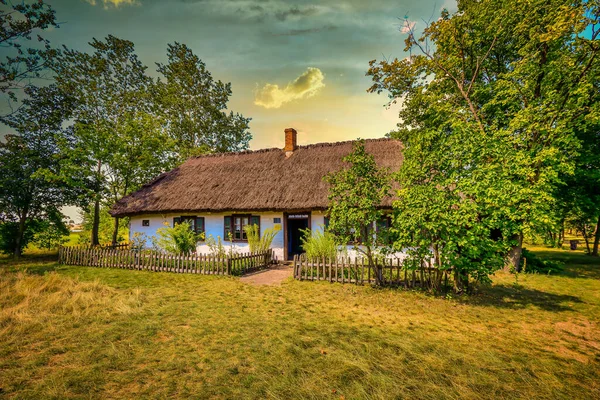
(318, 223)
(213, 225)
(156, 221)
(351, 251)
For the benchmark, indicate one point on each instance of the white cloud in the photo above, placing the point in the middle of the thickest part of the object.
(304, 86)
(114, 3)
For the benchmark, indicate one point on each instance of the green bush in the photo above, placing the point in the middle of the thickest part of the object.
(8, 236)
(179, 239)
(319, 244)
(530, 263)
(48, 232)
(51, 235)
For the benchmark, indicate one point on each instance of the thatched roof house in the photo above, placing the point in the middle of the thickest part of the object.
(270, 181)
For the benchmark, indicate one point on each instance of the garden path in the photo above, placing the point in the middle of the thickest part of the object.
(272, 276)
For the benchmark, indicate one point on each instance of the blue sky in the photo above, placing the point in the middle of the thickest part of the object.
(297, 64)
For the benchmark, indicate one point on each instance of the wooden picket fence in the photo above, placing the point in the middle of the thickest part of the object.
(150, 260)
(358, 271)
(116, 246)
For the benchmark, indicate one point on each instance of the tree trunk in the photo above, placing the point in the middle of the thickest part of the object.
(585, 237)
(458, 284)
(115, 232)
(96, 224)
(561, 235)
(596, 238)
(20, 233)
(513, 260)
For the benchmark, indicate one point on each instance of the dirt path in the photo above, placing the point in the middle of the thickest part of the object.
(271, 276)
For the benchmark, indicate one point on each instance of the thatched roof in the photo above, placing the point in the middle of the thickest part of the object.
(263, 180)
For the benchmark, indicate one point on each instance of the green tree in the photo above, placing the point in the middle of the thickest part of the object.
(142, 150)
(118, 142)
(194, 106)
(105, 228)
(32, 185)
(20, 65)
(355, 198)
(492, 96)
(51, 232)
(579, 194)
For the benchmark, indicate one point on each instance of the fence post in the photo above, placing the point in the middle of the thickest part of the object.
(295, 266)
(228, 266)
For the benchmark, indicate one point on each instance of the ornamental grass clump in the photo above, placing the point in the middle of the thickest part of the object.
(319, 244)
(258, 244)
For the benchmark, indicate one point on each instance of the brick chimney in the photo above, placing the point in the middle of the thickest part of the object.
(290, 141)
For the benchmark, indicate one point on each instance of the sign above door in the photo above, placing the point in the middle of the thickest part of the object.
(298, 216)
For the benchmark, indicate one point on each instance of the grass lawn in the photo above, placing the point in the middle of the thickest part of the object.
(81, 332)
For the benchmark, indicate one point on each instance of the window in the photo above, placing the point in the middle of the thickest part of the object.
(145, 222)
(276, 220)
(196, 223)
(239, 222)
(383, 230)
(200, 225)
(234, 226)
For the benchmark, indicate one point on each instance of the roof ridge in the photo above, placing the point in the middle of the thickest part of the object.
(306, 146)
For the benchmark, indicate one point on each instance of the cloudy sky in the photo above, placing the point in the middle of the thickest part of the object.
(297, 63)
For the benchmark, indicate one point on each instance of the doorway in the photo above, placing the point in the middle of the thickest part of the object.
(295, 223)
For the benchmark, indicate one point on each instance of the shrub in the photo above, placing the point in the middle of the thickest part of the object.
(530, 263)
(179, 239)
(51, 234)
(48, 232)
(8, 236)
(259, 244)
(139, 241)
(217, 249)
(319, 244)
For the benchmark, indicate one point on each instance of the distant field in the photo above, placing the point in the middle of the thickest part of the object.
(80, 332)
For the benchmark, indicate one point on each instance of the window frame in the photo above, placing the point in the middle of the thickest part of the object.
(230, 228)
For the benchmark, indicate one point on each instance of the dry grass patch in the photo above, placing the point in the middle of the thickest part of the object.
(36, 300)
(134, 334)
